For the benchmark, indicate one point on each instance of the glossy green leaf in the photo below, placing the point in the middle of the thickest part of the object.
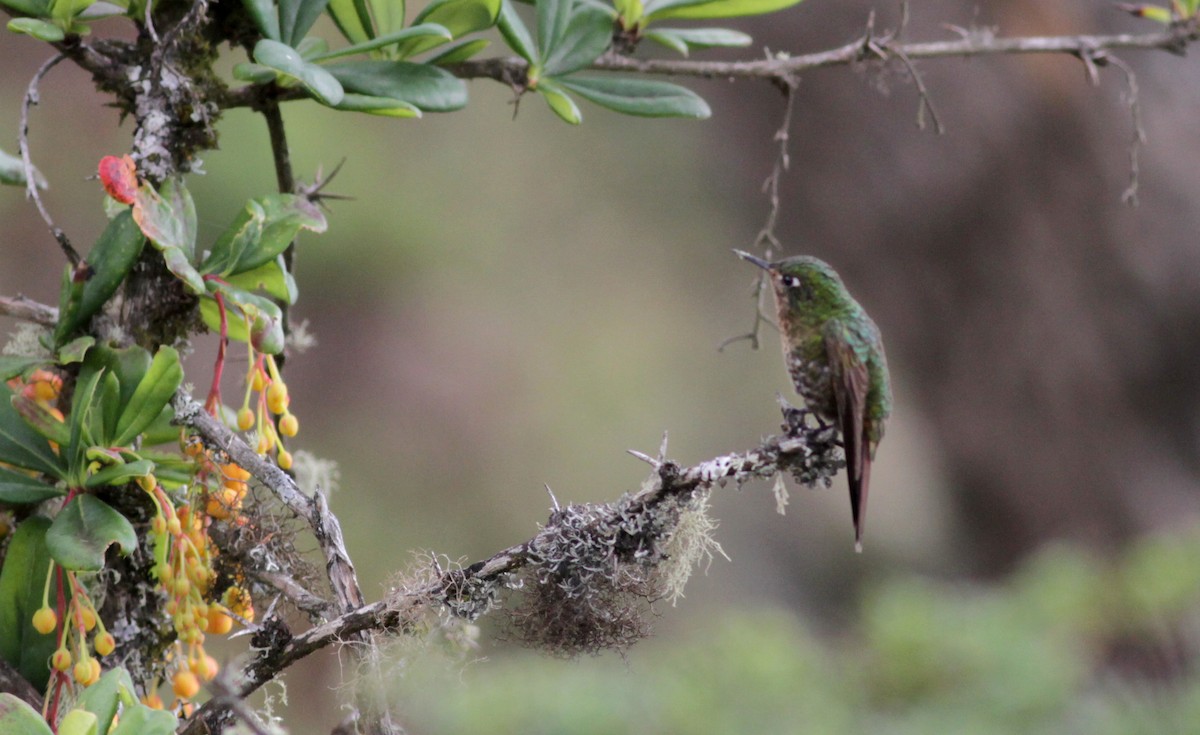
(168, 219)
(388, 15)
(287, 62)
(560, 102)
(13, 365)
(19, 489)
(99, 10)
(79, 722)
(586, 37)
(685, 39)
(141, 720)
(80, 423)
(428, 87)
(553, 16)
(311, 47)
(41, 420)
(42, 30)
(265, 328)
(270, 277)
(659, 9)
(83, 531)
(284, 215)
(630, 11)
(128, 365)
(516, 33)
(18, 718)
(107, 408)
(241, 234)
(254, 73)
(119, 474)
(459, 17)
(75, 350)
(102, 698)
(642, 97)
(64, 11)
(153, 392)
(20, 445)
(425, 30)
(22, 582)
(265, 17)
(371, 105)
(111, 258)
(36, 8)
(353, 19)
(459, 52)
(161, 430)
(12, 171)
(296, 17)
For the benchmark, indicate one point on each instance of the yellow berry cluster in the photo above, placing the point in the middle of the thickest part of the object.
(273, 399)
(80, 620)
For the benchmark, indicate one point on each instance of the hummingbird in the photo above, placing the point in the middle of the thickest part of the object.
(834, 353)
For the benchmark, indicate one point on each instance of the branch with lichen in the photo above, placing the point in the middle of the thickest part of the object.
(584, 583)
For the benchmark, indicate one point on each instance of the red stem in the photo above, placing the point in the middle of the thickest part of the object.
(213, 403)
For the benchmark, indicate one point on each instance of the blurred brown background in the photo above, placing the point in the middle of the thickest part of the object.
(511, 303)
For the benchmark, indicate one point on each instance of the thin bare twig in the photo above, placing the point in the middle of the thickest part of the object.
(31, 189)
(28, 310)
(1131, 98)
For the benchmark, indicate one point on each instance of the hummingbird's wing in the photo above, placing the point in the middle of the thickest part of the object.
(850, 379)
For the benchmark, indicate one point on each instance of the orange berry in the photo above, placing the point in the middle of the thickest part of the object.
(45, 621)
(185, 684)
(245, 419)
(148, 483)
(153, 701)
(277, 397)
(83, 670)
(61, 660)
(104, 643)
(89, 618)
(95, 672)
(174, 527)
(158, 525)
(219, 622)
(259, 381)
(284, 460)
(264, 443)
(235, 472)
(289, 425)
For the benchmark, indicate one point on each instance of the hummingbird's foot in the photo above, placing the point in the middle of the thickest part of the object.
(795, 420)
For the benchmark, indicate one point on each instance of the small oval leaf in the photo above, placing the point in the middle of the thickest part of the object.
(83, 531)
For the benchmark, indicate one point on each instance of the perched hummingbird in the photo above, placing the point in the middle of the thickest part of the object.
(835, 356)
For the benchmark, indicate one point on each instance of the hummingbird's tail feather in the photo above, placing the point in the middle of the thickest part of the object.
(858, 499)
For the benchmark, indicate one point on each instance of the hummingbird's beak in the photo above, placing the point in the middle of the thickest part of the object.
(753, 259)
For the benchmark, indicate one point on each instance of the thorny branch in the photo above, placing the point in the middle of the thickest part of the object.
(31, 187)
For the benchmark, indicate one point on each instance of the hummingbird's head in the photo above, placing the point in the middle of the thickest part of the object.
(803, 285)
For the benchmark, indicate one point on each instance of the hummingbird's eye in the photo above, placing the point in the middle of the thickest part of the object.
(791, 281)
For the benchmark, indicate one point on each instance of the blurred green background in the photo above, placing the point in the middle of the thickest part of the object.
(507, 303)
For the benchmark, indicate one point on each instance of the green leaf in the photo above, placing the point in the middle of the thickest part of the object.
(119, 474)
(265, 17)
(553, 16)
(659, 9)
(22, 582)
(560, 102)
(296, 17)
(80, 423)
(20, 489)
(629, 11)
(13, 365)
(102, 698)
(642, 97)
(515, 33)
(271, 277)
(371, 105)
(169, 221)
(311, 46)
(42, 30)
(459, 52)
(83, 531)
(254, 73)
(684, 39)
(111, 258)
(587, 36)
(42, 421)
(417, 31)
(459, 17)
(387, 14)
(353, 19)
(64, 11)
(37, 8)
(20, 445)
(265, 331)
(284, 215)
(12, 171)
(75, 350)
(153, 392)
(427, 87)
(245, 230)
(128, 364)
(18, 718)
(78, 722)
(141, 720)
(287, 62)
